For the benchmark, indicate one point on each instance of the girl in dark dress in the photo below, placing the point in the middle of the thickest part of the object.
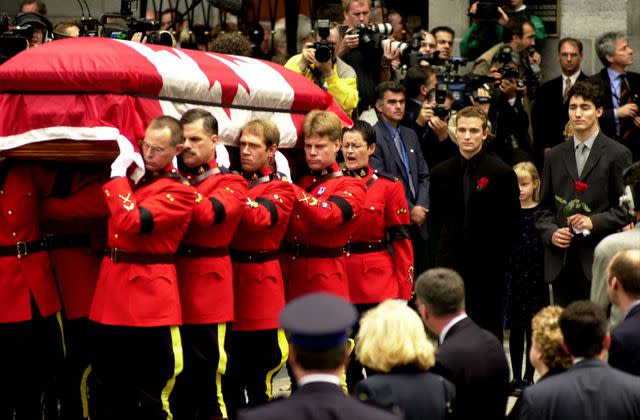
(527, 292)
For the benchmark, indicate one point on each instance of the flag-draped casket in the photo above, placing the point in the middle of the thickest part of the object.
(98, 89)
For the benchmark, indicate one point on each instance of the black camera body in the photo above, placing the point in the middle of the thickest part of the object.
(325, 49)
(440, 110)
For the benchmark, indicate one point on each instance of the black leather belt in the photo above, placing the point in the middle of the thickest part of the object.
(21, 249)
(67, 241)
(298, 249)
(364, 247)
(193, 251)
(253, 256)
(119, 256)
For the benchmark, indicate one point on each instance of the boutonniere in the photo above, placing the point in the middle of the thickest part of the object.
(482, 183)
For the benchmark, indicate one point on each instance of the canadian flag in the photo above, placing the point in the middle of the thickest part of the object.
(104, 89)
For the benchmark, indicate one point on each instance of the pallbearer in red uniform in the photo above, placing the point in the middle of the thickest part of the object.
(327, 207)
(375, 273)
(136, 305)
(31, 346)
(74, 221)
(259, 347)
(205, 273)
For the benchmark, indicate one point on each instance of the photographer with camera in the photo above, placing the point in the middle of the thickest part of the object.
(507, 115)
(319, 63)
(489, 20)
(362, 49)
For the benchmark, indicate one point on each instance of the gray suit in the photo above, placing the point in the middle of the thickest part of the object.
(605, 250)
(589, 390)
(603, 175)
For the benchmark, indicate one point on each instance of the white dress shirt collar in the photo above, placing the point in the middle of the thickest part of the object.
(449, 325)
(320, 377)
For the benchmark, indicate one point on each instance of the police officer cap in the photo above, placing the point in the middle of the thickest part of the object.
(318, 321)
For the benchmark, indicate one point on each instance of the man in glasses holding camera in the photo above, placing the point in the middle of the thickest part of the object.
(319, 63)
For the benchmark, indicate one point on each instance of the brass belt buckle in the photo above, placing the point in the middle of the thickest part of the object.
(21, 247)
(347, 249)
(113, 254)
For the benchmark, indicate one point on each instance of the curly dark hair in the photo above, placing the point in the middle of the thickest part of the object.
(232, 43)
(588, 92)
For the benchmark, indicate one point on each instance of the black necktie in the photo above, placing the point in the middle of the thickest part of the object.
(466, 182)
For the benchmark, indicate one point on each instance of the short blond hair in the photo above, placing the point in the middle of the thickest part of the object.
(528, 169)
(266, 129)
(322, 123)
(548, 338)
(392, 334)
(347, 3)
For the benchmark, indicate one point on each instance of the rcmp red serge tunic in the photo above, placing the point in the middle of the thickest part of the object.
(206, 283)
(380, 275)
(20, 278)
(328, 204)
(150, 219)
(76, 268)
(259, 289)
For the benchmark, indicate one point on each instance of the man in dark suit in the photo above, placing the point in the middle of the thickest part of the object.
(475, 210)
(621, 91)
(398, 153)
(593, 161)
(318, 327)
(590, 389)
(624, 290)
(549, 115)
(469, 356)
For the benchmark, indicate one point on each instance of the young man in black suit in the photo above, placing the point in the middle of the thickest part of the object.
(620, 90)
(317, 327)
(398, 154)
(469, 356)
(475, 212)
(624, 291)
(590, 389)
(592, 159)
(549, 115)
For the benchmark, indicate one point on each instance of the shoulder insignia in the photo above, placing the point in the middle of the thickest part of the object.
(348, 193)
(252, 204)
(277, 197)
(170, 198)
(229, 189)
(107, 193)
(387, 176)
(127, 204)
(198, 197)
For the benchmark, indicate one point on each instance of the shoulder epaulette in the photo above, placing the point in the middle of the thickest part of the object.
(387, 176)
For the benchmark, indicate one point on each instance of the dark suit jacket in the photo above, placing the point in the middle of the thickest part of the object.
(419, 395)
(387, 159)
(549, 115)
(317, 401)
(473, 359)
(624, 353)
(411, 111)
(607, 120)
(590, 389)
(603, 175)
(474, 240)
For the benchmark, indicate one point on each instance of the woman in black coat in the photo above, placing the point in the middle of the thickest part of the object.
(393, 343)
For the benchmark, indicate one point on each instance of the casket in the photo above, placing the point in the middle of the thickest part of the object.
(84, 99)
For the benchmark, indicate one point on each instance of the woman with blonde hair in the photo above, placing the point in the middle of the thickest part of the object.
(392, 342)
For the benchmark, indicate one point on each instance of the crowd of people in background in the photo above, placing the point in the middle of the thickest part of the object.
(499, 198)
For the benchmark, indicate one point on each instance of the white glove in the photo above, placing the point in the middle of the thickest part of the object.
(120, 166)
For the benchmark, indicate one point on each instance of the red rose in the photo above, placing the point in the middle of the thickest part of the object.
(581, 187)
(482, 183)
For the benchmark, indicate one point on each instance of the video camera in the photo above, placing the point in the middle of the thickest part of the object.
(410, 53)
(487, 10)
(324, 49)
(440, 110)
(15, 33)
(368, 33)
